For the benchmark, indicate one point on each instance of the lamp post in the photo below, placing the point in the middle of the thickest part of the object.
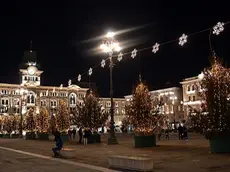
(22, 92)
(173, 98)
(110, 45)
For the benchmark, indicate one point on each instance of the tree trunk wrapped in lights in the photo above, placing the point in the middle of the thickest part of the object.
(90, 114)
(30, 121)
(52, 123)
(214, 118)
(63, 119)
(42, 120)
(141, 114)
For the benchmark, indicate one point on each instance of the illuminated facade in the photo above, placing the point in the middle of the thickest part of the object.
(191, 98)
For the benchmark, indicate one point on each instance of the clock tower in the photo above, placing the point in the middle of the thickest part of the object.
(30, 75)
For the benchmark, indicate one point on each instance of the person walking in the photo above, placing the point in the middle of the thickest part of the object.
(59, 143)
(74, 133)
(80, 133)
(180, 132)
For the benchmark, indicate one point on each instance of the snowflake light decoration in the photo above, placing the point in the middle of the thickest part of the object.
(119, 57)
(218, 28)
(183, 39)
(103, 63)
(79, 78)
(69, 82)
(155, 47)
(134, 53)
(90, 71)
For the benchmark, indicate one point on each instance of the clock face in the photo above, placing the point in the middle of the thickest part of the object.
(31, 70)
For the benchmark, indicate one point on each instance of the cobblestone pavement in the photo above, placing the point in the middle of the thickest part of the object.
(16, 162)
(169, 155)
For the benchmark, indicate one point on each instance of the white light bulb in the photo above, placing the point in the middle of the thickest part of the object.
(110, 34)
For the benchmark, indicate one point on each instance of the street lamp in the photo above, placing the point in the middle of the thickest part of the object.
(173, 98)
(22, 92)
(110, 45)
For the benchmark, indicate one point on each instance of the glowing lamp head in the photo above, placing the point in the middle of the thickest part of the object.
(110, 34)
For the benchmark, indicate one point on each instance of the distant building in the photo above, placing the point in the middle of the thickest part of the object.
(191, 98)
(119, 108)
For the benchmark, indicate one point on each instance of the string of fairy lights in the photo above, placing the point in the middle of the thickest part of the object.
(182, 40)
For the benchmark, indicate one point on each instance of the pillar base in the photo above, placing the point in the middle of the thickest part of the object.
(112, 140)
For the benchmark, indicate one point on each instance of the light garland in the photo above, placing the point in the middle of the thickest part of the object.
(216, 30)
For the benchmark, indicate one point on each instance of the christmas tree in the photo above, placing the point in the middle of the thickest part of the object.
(90, 114)
(63, 119)
(7, 124)
(15, 122)
(214, 117)
(141, 114)
(30, 121)
(42, 120)
(52, 123)
(1, 123)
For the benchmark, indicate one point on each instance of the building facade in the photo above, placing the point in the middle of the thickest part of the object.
(191, 99)
(119, 108)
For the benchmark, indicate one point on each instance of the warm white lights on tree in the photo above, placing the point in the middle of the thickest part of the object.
(79, 78)
(103, 63)
(90, 71)
(218, 28)
(134, 53)
(183, 39)
(155, 47)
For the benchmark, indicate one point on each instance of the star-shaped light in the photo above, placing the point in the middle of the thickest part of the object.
(79, 78)
(69, 82)
(119, 57)
(90, 71)
(155, 47)
(103, 63)
(134, 53)
(183, 39)
(218, 28)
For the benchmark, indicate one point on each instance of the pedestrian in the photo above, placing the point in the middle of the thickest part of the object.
(80, 133)
(180, 132)
(102, 129)
(86, 136)
(70, 134)
(185, 133)
(74, 133)
(59, 143)
(167, 134)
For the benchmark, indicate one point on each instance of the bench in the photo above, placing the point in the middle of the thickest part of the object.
(131, 162)
(68, 153)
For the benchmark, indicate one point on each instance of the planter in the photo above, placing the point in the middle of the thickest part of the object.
(30, 136)
(144, 141)
(94, 138)
(64, 137)
(1, 135)
(68, 153)
(43, 136)
(220, 144)
(6, 136)
(14, 136)
(51, 137)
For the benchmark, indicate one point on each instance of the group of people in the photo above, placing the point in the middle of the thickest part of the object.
(72, 133)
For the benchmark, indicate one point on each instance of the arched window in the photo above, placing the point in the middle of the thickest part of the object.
(72, 99)
(31, 98)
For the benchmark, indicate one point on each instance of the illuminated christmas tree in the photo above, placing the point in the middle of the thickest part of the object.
(141, 114)
(30, 121)
(42, 120)
(90, 114)
(63, 119)
(214, 117)
(52, 123)
(1, 123)
(15, 122)
(7, 124)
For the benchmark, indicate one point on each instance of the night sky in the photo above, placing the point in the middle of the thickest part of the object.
(65, 36)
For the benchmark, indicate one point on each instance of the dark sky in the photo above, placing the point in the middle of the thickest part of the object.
(63, 37)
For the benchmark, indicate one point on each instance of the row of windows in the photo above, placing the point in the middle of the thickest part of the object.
(191, 98)
(31, 78)
(108, 104)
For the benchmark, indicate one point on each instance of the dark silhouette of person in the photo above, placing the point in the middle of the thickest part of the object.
(80, 133)
(59, 143)
(74, 133)
(180, 132)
